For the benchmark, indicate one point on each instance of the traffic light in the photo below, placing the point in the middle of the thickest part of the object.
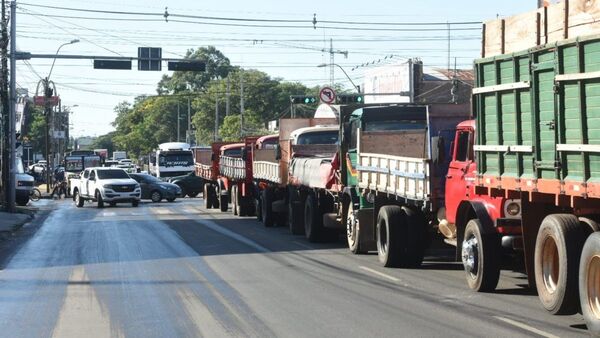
(350, 98)
(301, 99)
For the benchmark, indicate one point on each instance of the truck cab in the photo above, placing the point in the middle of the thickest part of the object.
(477, 223)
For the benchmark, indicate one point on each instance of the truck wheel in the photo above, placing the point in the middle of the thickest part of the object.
(99, 200)
(313, 221)
(417, 238)
(389, 219)
(352, 229)
(235, 201)
(206, 196)
(244, 206)
(212, 196)
(480, 257)
(295, 213)
(223, 202)
(156, 196)
(267, 212)
(558, 247)
(78, 199)
(589, 283)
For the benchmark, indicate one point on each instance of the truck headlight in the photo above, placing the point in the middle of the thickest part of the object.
(512, 208)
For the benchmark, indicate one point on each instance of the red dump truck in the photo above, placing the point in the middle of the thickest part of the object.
(271, 167)
(207, 161)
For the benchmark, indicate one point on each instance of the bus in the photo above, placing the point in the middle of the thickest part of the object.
(171, 159)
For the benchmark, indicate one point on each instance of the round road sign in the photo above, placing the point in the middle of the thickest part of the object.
(327, 95)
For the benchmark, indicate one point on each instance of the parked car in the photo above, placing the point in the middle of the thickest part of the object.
(190, 184)
(155, 189)
(37, 168)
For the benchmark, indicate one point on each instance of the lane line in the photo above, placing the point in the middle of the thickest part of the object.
(380, 274)
(526, 327)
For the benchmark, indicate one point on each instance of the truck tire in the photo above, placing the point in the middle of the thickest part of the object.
(235, 201)
(78, 199)
(558, 247)
(212, 196)
(417, 237)
(313, 219)
(206, 196)
(267, 212)
(295, 212)
(99, 200)
(481, 257)
(389, 219)
(352, 228)
(589, 288)
(223, 202)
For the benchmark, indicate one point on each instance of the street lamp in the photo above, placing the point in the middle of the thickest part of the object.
(340, 67)
(48, 111)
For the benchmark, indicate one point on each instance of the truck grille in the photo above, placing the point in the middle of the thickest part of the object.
(123, 188)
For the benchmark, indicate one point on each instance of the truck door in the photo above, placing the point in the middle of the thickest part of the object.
(91, 183)
(461, 172)
(544, 115)
(83, 182)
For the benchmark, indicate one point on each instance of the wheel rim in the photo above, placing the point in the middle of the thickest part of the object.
(550, 266)
(351, 227)
(593, 286)
(155, 196)
(470, 255)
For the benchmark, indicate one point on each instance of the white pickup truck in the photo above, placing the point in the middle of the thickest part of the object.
(105, 185)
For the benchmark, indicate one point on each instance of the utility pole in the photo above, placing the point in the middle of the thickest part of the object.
(188, 135)
(331, 62)
(47, 112)
(178, 119)
(216, 136)
(12, 136)
(5, 107)
(241, 104)
(227, 95)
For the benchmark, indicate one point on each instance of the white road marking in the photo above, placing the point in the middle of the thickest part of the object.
(380, 274)
(304, 245)
(526, 327)
(82, 314)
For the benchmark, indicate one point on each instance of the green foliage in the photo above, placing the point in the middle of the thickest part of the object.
(149, 121)
(105, 142)
(35, 129)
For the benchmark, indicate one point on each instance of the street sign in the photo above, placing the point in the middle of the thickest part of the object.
(59, 134)
(149, 58)
(327, 95)
(41, 100)
(192, 66)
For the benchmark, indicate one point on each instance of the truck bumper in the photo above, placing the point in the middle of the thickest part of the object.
(121, 197)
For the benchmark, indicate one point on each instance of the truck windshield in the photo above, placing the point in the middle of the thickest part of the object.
(111, 174)
(73, 164)
(175, 158)
(319, 137)
(234, 152)
(388, 125)
(19, 165)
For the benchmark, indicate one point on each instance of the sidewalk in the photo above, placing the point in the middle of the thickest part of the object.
(11, 222)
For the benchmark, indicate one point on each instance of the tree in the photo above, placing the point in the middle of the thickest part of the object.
(217, 67)
(105, 142)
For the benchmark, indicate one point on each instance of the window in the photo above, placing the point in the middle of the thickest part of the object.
(387, 125)
(112, 174)
(234, 152)
(86, 174)
(319, 137)
(92, 175)
(462, 146)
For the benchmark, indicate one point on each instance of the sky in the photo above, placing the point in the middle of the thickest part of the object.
(289, 47)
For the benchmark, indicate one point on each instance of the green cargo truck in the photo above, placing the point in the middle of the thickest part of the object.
(538, 140)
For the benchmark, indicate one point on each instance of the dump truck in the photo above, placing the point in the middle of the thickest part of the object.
(207, 160)
(235, 176)
(537, 142)
(271, 168)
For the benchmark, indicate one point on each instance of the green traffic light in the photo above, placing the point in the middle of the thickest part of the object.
(307, 100)
(359, 99)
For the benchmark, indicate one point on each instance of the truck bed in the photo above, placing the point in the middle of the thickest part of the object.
(265, 166)
(539, 123)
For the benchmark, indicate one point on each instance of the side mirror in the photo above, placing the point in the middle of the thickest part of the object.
(244, 154)
(438, 149)
(278, 152)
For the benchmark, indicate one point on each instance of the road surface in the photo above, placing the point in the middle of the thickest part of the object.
(179, 270)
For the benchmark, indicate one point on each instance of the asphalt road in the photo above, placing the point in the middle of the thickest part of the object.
(178, 270)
